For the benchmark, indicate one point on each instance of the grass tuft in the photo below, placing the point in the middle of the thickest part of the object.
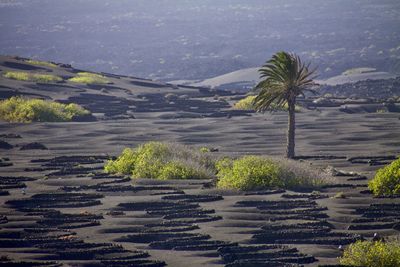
(18, 109)
(257, 173)
(32, 77)
(204, 149)
(247, 103)
(157, 160)
(89, 78)
(41, 63)
(340, 195)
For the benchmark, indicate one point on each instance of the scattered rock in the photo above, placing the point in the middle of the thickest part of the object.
(10, 135)
(4, 163)
(266, 192)
(84, 118)
(366, 192)
(115, 213)
(5, 145)
(57, 200)
(357, 178)
(34, 145)
(373, 160)
(319, 157)
(20, 66)
(193, 198)
(309, 196)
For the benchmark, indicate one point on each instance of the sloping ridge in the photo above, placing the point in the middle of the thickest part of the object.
(244, 78)
(250, 75)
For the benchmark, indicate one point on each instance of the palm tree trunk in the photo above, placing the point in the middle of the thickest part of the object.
(291, 129)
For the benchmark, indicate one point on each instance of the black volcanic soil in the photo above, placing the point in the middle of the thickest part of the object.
(58, 207)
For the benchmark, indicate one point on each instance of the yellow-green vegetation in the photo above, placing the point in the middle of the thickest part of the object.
(162, 161)
(204, 149)
(32, 77)
(257, 172)
(372, 254)
(41, 63)
(387, 180)
(18, 109)
(158, 160)
(248, 173)
(89, 78)
(382, 110)
(247, 103)
(339, 195)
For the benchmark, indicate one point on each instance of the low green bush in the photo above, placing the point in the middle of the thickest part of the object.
(17, 75)
(387, 180)
(89, 78)
(183, 169)
(41, 63)
(248, 173)
(124, 164)
(372, 254)
(204, 149)
(165, 161)
(340, 195)
(32, 77)
(247, 103)
(256, 172)
(157, 160)
(18, 109)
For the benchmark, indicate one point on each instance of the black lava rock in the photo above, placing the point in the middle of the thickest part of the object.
(34, 145)
(5, 145)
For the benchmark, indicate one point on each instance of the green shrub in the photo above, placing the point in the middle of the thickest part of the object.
(17, 109)
(45, 78)
(204, 149)
(32, 77)
(340, 195)
(41, 63)
(372, 254)
(183, 170)
(247, 103)
(387, 180)
(88, 78)
(256, 172)
(17, 75)
(124, 164)
(163, 161)
(248, 173)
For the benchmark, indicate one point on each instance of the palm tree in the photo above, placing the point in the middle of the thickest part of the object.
(284, 78)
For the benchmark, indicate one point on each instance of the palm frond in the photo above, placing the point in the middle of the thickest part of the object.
(284, 77)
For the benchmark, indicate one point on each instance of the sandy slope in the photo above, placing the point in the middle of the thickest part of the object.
(247, 78)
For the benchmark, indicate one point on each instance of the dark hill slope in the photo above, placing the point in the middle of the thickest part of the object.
(119, 98)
